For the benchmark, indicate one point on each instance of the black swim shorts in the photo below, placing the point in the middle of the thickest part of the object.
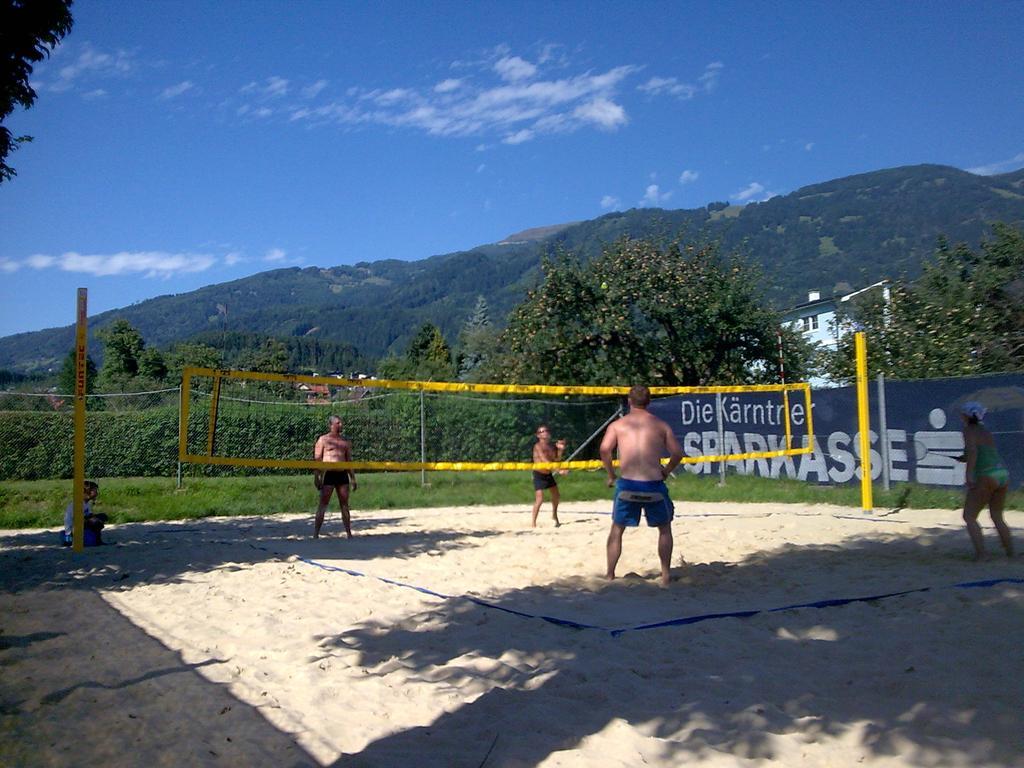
(543, 480)
(335, 477)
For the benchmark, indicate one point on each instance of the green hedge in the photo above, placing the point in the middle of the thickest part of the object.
(144, 443)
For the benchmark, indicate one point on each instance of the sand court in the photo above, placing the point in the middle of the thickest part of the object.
(422, 638)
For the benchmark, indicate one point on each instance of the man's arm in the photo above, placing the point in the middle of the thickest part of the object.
(608, 443)
(347, 453)
(675, 451)
(318, 449)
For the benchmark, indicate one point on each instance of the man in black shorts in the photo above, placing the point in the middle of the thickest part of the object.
(543, 479)
(333, 447)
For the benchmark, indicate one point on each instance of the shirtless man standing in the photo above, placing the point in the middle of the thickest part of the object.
(641, 439)
(543, 452)
(333, 447)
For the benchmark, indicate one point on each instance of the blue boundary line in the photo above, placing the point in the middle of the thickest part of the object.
(568, 623)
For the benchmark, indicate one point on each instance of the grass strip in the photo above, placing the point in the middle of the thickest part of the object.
(41, 503)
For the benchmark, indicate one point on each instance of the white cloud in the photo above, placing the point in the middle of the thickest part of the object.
(688, 177)
(481, 168)
(602, 112)
(654, 196)
(610, 202)
(177, 90)
(233, 258)
(513, 69)
(808, 146)
(97, 93)
(40, 261)
(271, 88)
(9, 265)
(276, 86)
(447, 86)
(70, 65)
(506, 99)
(518, 137)
(149, 263)
(1001, 166)
(313, 90)
(753, 192)
(671, 86)
(275, 254)
(712, 74)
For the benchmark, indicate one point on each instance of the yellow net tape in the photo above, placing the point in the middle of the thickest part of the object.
(459, 387)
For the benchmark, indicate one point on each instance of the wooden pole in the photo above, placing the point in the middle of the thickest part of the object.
(81, 334)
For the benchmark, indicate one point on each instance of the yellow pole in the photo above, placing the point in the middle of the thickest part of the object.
(81, 328)
(863, 421)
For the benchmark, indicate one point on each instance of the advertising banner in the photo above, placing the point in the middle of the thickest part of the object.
(922, 439)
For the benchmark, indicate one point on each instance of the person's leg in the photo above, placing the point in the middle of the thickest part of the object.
(665, 551)
(614, 548)
(346, 518)
(973, 503)
(95, 522)
(538, 499)
(554, 505)
(996, 503)
(325, 497)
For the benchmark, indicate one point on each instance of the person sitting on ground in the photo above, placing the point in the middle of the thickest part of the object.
(94, 521)
(987, 479)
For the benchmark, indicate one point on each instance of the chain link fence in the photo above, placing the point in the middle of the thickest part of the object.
(136, 434)
(130, 434)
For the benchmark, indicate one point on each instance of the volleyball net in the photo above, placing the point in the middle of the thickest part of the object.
(271, 421)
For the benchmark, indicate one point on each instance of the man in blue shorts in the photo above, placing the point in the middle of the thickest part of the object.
(641, 440)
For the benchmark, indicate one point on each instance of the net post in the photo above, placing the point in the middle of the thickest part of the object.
(78, 499)
(809, 411)
(883, 432)
(183, 406)
(721, 437)
(214, 403)
(595, 433)
(423, 440)
(180, 405)
(864, 421)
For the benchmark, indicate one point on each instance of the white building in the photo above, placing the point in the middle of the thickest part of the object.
(816, 320)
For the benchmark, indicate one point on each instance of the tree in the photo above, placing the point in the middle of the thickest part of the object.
(963, 316)
(69, 373)
(271, 357)
(429, 356)
(642, 312)
(192, 354)
(152, 365)
(122, 348)
(477, 341)
(29, 31)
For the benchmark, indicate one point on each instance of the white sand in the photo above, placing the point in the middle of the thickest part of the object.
(224, 642)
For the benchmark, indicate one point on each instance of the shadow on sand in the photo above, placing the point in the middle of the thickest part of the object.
(873, 674)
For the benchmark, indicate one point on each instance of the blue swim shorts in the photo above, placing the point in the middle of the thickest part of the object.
(632, 496)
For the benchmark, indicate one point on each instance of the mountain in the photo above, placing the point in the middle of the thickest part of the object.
(854, 230)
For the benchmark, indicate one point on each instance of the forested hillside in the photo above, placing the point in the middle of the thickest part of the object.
(853, 230)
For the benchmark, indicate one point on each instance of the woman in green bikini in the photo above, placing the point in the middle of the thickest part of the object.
(987, 479)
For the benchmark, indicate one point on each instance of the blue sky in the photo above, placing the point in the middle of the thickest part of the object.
(179, 144)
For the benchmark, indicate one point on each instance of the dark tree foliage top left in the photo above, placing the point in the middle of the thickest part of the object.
(29, 31)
